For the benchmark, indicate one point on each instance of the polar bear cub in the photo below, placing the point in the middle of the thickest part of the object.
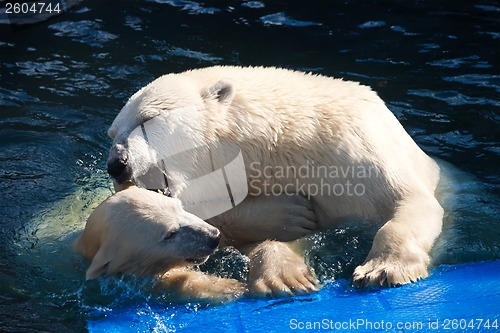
(317, 151)
(145, 233)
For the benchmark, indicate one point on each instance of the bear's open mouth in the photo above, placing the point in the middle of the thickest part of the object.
(196, 261)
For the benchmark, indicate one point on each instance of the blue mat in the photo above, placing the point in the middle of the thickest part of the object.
(453, 299)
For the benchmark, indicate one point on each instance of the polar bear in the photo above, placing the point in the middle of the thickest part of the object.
(145, 233)
(317, 151)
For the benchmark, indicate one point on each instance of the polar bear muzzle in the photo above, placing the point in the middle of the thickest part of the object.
(118, 166)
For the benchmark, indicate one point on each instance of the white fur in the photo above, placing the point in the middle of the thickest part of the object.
(142, 232)
(284, 118)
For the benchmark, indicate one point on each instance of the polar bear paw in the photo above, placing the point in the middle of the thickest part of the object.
(275, 270)
(297, 219)
(388, 272)
(284, 218)
(221, 290)
(192, 285)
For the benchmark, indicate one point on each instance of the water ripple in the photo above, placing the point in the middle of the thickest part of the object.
(191, 7)
(87, 32)
(133, 22)
(253, 4)
(452, 97)
(479, 80)
(472, 61)
(181, 52)
(488, 8)
(14, 98)
(281, 19)
(372, 24)
(49, 68)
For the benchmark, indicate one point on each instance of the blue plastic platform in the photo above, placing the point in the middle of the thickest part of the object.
(453, 299)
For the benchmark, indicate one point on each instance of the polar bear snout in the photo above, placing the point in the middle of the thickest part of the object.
(213, 240)
(119, 170)
(205, 242)
(206, 236)
(198, 243)
(118, 166)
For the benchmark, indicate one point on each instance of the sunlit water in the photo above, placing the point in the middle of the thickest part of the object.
(63, 81)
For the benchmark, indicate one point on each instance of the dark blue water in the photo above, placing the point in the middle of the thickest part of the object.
(63, 80)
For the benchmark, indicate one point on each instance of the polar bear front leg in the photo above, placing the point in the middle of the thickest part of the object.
(276, 270)
(191, 285)
(400, 250)
(258, 218)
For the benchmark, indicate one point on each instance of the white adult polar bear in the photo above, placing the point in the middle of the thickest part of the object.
(360, 163)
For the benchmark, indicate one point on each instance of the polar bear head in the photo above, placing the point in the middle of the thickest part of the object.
(180, 102)
(142, 232)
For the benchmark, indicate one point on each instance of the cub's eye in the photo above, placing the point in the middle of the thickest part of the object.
(168, 236)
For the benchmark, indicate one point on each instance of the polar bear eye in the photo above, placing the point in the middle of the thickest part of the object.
(168, 236)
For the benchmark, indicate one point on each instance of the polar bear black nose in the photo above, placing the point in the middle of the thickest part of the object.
(116, 167)
(214, 241)
(119, 170)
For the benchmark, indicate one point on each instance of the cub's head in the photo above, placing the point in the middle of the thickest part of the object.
(143, 232)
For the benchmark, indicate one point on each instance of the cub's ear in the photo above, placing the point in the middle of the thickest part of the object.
(222, 91)
(100, 262)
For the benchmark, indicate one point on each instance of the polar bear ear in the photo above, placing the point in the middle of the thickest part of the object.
(99, 264)
(222, 91)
